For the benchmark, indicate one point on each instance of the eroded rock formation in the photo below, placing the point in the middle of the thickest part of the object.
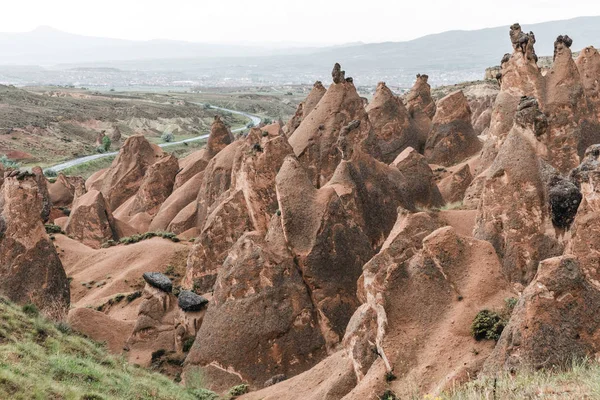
(30, 269)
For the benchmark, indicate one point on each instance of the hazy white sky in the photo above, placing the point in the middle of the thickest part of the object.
(303, 21)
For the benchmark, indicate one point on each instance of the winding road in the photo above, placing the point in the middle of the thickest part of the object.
(82, 160)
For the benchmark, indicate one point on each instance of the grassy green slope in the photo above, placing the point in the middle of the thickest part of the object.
(43, 360)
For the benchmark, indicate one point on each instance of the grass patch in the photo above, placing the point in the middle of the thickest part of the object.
(149, 235)
(457, 205)
(581, 381)
(52, 228)
(43, 360)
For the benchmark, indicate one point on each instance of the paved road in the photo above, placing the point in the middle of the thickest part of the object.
(68, 164)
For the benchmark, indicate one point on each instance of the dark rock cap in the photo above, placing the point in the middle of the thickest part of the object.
(159, 281)
(190, 301)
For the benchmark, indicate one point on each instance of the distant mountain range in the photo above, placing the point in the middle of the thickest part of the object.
(447, 57)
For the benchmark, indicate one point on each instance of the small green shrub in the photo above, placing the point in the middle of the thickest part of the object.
(167, 137)
(8, 163)
(132, 296)
(388, 395)
(510, 304)
(158, 354)
(30, 309)
(188, 343)
(52, 228)
(63, 327)
(487, 325)
(389, 376)
(50, 173)
(149, 235)
(106, 143)
(238, 390)
(108, 243)
(203, 394)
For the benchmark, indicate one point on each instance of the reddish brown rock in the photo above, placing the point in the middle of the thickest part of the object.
(222, 228)
(102, 328)
(155, 188)
(452, 138)
(585, 232)
(314, 224)
(43, 193)
(191, 166)
(420, 183)
(483, 121)
(257, 162)
(161, 325)
(513, 213)
(453, 187)
(588, 64)
(31, 271)
(314, 141)
(305, 108)
(175, 203)
(371, 193)
(521, 76)
(392, 126)
(419, 302)
(91, 221)
(424, 307)
(124, 177)
(566, 107)
(64, 190)
(261, 310)
(419, 98)
(216, 181)
(554, 322)
(220, 136)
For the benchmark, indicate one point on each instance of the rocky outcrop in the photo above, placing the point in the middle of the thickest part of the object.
(419, 98)
(65, 189)
(222, 228)
(520, 77)
(181, 197)
(314, 224)
(566, 107)
(392, 126)
(43, 193)
(156, 187)
(513, 214)
(115, 136)
(314, 141)
(216, 181)
(261, 310)
(256, 164)
(220, 136)
(421, 106)
(161, 324)
(452, 138)
(249, 205)
(305, 108)
(31, 271)
(554, 322)
(420, 185)
(454, 186)
(585, 231)
(588, 65)
(419, 294)
(371, 193)
(91, 220)
(125, 175)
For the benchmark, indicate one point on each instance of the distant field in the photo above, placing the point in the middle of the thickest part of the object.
(47, 125)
